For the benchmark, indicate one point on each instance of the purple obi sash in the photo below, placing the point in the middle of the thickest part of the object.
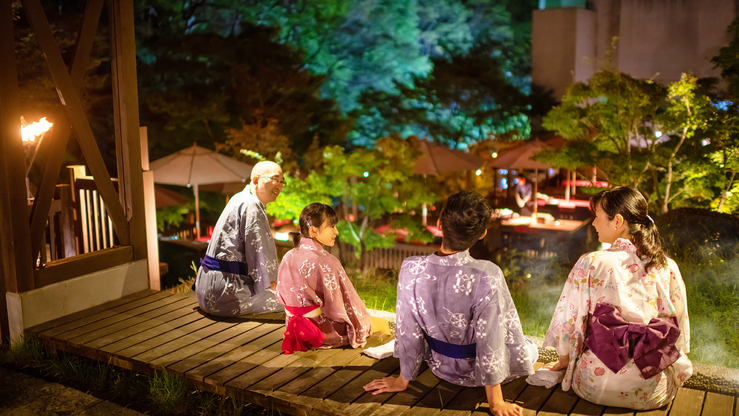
(452, 350)
(614, 341)
(233, 267)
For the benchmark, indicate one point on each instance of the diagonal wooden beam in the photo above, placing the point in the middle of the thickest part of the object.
(55, 145)
(73, 108)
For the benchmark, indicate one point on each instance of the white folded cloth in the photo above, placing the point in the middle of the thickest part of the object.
(546, 378)
(381, 351)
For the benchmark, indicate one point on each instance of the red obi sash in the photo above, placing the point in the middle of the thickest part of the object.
(302, 333)
(613, 341)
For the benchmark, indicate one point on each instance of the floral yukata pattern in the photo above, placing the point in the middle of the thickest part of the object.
(310, 275)
(617, 277)
(459, 300)
(241, 234)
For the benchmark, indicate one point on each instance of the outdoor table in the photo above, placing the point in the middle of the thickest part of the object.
(552, 238)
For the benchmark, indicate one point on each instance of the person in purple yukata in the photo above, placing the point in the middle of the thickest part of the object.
(456, 313)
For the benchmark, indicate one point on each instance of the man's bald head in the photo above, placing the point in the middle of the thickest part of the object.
(267, 181)
(265, 168)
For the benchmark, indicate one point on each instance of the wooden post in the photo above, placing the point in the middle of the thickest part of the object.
(126, 117)
(152, 243)
(15, 242)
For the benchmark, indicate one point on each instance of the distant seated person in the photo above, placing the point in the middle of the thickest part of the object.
(523, 195)
(456, 313)
(322, 307)
(239, 272)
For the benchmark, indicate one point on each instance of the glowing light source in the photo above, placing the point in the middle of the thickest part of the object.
(478, 172)
(705, 142)
(494, 154)
(657, 134)
(282, 236)
(366, 174)
(35, 129)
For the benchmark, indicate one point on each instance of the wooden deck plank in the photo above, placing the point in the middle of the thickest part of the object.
(102, 314)
(182, 347)
(585, 408)
(262, 371)
(613, 411)
(395, 404)
(158, 328)
(184, 359)
(253, 341)
(443, 393)
(243, 333)
(315, 375)
(35, 330)
(368, 402)
(560, 403)
(123, 320)
(533, 398)
(138, 332)
(314, 396)
(89, 343)
(718, 405)
(466, 402)
(307, 361)
(662, 411)
(687, 402)
(252, 355)
(338, 402)
(164, 337)
(513, 389)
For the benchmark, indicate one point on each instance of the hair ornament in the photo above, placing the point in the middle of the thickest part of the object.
(650, 219)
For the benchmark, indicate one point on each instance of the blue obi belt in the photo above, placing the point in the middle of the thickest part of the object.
(452, 350)
(234, 267)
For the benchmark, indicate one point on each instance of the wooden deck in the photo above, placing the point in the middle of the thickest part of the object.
(151, 331)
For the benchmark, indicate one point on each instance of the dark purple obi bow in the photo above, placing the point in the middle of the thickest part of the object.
(614, 341)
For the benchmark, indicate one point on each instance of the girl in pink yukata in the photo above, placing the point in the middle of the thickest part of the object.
(621, 326)
(322, 306)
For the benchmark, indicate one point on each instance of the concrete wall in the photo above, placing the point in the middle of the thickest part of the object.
(37, 306)
(563, 47)
(658, 39)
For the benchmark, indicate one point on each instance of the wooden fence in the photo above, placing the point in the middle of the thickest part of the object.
(385, 258)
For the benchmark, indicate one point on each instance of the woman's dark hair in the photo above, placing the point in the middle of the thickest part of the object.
(464, 220)
(633, 208)
(314, 214)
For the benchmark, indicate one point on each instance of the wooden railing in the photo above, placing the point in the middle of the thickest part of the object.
(94, 226)
(385, 258)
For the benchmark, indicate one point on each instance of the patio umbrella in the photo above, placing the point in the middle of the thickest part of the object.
(437, 159)
(166, 197)
(196, 166)
(519, 157)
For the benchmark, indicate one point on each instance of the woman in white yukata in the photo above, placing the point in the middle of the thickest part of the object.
(621, 326)
(322, 306)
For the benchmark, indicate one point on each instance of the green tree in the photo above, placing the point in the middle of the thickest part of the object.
(379, 181)
(614, 112)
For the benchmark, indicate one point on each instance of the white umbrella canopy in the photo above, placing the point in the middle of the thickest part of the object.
(196, 166)
(439, 159)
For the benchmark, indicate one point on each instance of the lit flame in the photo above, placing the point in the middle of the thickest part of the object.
(37, 128)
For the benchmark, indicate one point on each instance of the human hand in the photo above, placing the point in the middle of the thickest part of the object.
(386, 385)
(554, 366)
(503, 408)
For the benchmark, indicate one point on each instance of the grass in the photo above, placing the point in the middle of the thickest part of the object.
(536, 283)
(160, 394)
